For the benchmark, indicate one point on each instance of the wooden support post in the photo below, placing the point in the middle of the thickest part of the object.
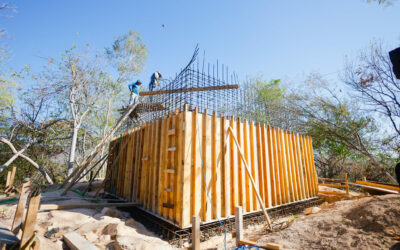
(347, 183)
(262, 204)
(30, 220)
(19, 213)
(196, 233)
(238, 224)
(9, 187)
(8, 181)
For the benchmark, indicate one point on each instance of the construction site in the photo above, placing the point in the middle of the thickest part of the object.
(185, 166)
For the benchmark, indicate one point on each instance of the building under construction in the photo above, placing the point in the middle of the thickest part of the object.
(189, 156)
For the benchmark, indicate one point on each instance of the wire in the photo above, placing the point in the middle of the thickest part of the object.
(205, 182)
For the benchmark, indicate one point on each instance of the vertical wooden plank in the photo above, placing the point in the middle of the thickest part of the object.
(296, 165)
(178, 167)
(309, 175)
(196, 233)
(171, 177)
(261, 165)
(133, 157)
(254, 165)
(313, 166)
(241, 176)
(288, 167)
(209, 169)
(118, 166)
(186, 169)
(285, 187)
(292, 166)
(265, 147)
(154, 162)
(137, 165)
(314, 182)
(300, 167)
(238, 224)
(163, 165)
(30, 220)
(144, 168)
(272, 172)
(12, 177)
(19, 213)
(8, 180)
(234, 167)
(226, 208)
(128, 171)
(121, 165)
(141, 155)
(304, 167)
(149, 162)
(204, 167)
(246, 144)
(219, 194)
(199, 188)
(156, 180)
(277, 166)
(214, 164)
(195, 149)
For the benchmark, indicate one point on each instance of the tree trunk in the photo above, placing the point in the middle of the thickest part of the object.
(72, 150)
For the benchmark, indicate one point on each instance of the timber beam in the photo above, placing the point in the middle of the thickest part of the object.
(184, 90)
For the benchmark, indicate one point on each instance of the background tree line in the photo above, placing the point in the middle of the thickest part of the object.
(49, 120)
(355, 130)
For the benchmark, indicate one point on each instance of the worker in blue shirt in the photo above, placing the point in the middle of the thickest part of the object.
(134, 89)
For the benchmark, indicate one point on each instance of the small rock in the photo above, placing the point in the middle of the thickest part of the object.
(51, 232)
(316, 210)
(312, 210)
(111, 212)
(90, 236)
(105, 238)
(111, 229)
(324, 205)
(131, 222)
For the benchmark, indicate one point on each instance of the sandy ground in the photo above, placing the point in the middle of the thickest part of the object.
(106, 228)
(365, 223)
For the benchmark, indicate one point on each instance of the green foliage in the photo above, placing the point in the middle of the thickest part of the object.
(127, 54)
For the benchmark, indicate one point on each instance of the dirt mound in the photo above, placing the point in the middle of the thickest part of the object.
(377, 214)
(366, 223)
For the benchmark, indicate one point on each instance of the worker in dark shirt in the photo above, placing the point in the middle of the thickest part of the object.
(134, 89)
(154, 82)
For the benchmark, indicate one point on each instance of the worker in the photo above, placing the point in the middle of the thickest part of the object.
(154, 80)
(134, 89)
(397, 170)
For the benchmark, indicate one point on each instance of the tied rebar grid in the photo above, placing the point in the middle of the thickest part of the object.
(225, 102)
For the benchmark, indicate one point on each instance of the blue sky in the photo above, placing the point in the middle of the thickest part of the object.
(278, 39)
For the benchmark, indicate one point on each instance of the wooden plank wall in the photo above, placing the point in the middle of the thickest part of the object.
(186, 164)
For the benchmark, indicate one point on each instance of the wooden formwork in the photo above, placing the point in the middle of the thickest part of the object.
(187, 164)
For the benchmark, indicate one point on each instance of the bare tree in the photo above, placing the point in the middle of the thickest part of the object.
(374, 82)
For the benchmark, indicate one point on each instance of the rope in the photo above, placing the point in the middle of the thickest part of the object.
(205, 181)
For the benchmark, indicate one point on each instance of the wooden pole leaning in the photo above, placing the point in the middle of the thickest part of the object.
(252, 180)
(78, 171)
